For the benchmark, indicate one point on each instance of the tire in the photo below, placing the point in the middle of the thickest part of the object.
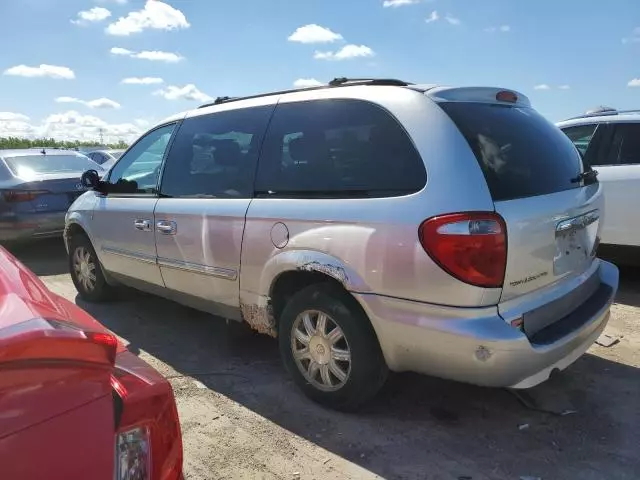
(361, 377)
(80, 249)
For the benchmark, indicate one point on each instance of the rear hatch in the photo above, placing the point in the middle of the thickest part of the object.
(537, 180)
(54, 192)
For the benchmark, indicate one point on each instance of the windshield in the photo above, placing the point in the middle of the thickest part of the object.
(116, 153)
(520, 152)
(29, 165)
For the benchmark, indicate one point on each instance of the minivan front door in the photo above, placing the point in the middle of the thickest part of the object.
(122, 225)
(207, 185)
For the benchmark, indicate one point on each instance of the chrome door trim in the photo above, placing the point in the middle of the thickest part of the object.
(130, 255)
(226, 273)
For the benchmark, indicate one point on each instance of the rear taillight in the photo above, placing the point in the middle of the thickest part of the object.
(44, 340)
(470, 246)
(15, 196)
(148, 441)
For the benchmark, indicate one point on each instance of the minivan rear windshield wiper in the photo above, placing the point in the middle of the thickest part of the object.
(588, 177)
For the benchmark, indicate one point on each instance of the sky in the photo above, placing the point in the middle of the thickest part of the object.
(72, 69)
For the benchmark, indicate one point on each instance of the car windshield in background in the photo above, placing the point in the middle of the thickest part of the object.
(29, 165)
(117, 154)
(520, 152)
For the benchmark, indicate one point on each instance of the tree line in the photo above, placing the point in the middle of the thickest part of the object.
(16, 142)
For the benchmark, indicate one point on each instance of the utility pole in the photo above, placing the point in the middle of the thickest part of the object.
(101, 130)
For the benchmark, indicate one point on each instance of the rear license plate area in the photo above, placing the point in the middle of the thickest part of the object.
(576, 239)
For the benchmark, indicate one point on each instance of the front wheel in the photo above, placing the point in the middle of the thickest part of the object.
(329, 347)
(86, 271)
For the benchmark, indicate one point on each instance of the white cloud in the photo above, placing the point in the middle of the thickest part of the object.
(43, 70)
(12, 117)
(188, 92)
(121, 51)
(634, 38)
(153, 55)
(434, 17)
(634, 82)
(313, 33)
(501, 28)
(155, 15)
(564, 87)
(142, 122)
(142, 81)
(97, 103)
(542, 86)
(398, 3)
(96, 14)
(158, 56)
(119, 2)
(345, 53)
(307, 82)
(70, 125)
(452, 20)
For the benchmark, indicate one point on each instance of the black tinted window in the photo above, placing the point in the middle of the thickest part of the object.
(520, 152)
(215, 155)
(581, 136)
(337, 148)
(625, 148)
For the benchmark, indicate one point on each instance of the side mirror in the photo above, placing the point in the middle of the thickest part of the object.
(90, 179)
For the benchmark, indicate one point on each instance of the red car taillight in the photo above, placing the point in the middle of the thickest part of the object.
(470, 246)
(14, 196)
(148, 442)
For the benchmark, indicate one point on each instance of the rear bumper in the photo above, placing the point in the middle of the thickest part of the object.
(476, 345)
(23, 226)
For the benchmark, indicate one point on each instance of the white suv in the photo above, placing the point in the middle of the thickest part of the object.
(609, 140)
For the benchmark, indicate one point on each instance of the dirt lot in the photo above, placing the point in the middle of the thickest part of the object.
(243, 418)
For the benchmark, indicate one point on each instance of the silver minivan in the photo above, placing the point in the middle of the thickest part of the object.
(370, 225)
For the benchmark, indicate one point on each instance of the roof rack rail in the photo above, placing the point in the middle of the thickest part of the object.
(603, 112)
(336, 82)
(340, 81)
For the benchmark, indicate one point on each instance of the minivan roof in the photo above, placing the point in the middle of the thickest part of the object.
(436, 92)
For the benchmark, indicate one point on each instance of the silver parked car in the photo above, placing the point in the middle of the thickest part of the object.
(369, 225)
(36, 188)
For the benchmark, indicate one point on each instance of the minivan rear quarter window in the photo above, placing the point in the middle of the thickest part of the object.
(337, 148)
(520, 152)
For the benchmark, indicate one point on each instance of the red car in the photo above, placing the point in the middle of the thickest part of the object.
(74, 402)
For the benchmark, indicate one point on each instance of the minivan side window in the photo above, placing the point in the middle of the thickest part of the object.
(337, 148)
(625, 148)
(581, 136)
(138, 169)
(215, 155)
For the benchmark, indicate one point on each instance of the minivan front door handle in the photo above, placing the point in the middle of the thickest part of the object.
(141, 224)
(166, 227)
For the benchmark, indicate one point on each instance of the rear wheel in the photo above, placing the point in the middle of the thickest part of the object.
(329, 347)
(86, 271)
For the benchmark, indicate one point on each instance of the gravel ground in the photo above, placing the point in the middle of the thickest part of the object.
(243, 418)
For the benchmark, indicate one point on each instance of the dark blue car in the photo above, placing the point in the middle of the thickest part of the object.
(37, 186)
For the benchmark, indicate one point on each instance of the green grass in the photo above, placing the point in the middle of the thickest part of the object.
(15, 142)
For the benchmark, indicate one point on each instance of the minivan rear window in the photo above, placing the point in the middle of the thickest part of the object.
(520, 152)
